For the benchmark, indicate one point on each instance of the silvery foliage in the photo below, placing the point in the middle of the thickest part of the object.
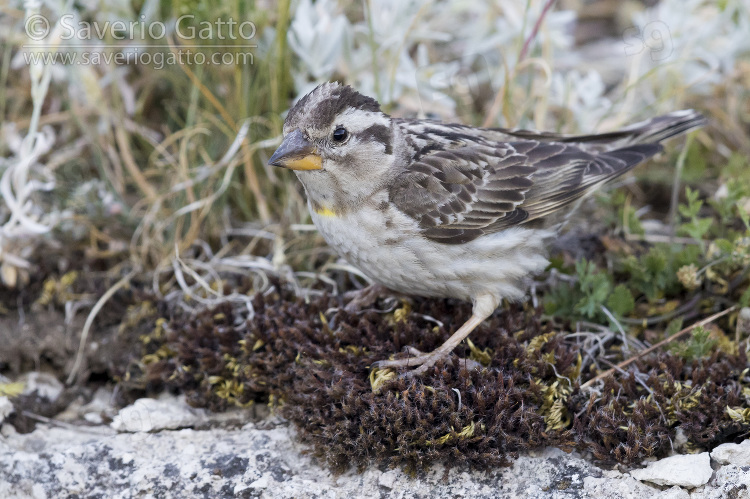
(25, 217)
(703, 41)
(21, 177)
(425, 53)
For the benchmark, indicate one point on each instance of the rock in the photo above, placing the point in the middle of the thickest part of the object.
(615, 486)
(251, 462)
(674, 493)
(261, 483)
(167, 413)
(7, 430)
(690, 471)
(44, 384)
(387, 479)
(737, 454)
(6, 408)
(730, 481)
(99, 408)
(265, 460)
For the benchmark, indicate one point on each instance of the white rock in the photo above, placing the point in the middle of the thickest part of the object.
(388, 479)
(730, 481)
(266, 460)
(7, 431)
(44, 384)
(6, 408)
(689, 470)
(737, 454)
(101, 402)
(99, 408)
(260, 483)
(146, 415)
(674, 493)
(93, 417)
(616, 487)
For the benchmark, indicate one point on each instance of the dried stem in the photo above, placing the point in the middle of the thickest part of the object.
(650, 349)
(535, 30)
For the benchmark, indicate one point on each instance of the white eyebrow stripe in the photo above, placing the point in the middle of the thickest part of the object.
(357, 120)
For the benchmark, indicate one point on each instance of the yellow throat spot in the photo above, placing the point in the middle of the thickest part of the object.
(325, 212)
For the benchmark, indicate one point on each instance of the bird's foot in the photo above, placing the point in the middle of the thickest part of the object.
(427, 360)
(421, 361)
(361, 299)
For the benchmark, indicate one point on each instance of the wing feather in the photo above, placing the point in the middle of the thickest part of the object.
(464, 188)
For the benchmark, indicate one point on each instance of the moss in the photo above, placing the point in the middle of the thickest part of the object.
(311, 361)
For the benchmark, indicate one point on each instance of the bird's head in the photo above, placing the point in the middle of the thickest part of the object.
(339, 143)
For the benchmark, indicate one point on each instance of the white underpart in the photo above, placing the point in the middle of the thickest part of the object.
(494, 266)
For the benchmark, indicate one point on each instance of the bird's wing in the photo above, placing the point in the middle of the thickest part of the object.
(652, 130)
(466, 189)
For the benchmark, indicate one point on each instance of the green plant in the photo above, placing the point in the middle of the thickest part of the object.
(594, 288)
(586, 297)
(696, 226)
(699, 345)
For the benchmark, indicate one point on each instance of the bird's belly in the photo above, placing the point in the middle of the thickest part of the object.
(388, 248)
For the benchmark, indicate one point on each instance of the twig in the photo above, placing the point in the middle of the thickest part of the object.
(660, 238)
(90, 319)
(650, 349)
(130, 164)
(619, 326)
(682, 309)
(210, 97)
(535, 30)
(96, 430)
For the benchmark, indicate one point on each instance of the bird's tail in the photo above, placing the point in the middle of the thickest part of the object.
(663, 127)
(651, 131)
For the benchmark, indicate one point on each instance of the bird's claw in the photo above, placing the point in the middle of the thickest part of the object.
(364, 298)
(420, 363)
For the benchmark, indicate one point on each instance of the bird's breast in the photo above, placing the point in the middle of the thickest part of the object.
(388, 247)
(381, 242)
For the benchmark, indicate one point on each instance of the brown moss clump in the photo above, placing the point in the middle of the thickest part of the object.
(633, 420)
(311, 360)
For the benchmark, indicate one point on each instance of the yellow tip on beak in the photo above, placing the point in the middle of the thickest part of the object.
(296, 153)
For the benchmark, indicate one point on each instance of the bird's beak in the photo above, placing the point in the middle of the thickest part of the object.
(296, 153)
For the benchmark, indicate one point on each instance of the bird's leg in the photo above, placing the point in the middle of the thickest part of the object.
(484, 305)
(364, 298)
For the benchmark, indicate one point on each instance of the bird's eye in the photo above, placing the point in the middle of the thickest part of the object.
(340, 134)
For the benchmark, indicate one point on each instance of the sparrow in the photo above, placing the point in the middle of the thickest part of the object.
(448, 210)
